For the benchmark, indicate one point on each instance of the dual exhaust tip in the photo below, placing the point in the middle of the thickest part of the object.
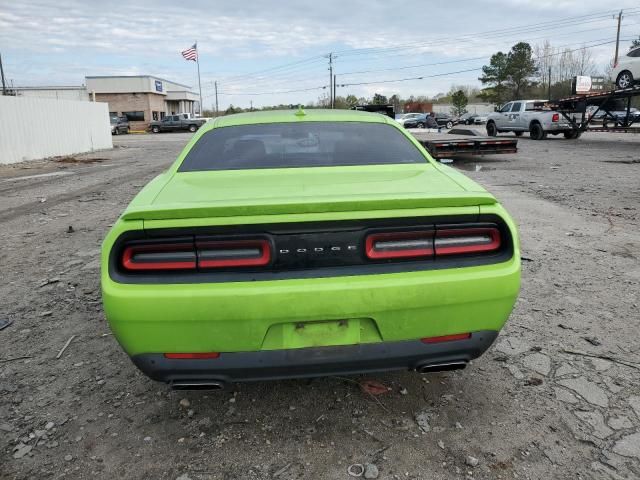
(220, 385)
(441, 367)
(197, 385)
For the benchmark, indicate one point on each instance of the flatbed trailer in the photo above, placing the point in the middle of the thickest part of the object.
(577, 104)
(446, 145)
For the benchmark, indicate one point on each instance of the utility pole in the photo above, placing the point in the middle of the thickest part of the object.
(251, 103)
(549, 86)
(334, 90)
(615, 59)
(4, 83)
(215, 84)
(330, 79)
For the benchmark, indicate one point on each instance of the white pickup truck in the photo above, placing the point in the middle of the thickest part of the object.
(530, 116)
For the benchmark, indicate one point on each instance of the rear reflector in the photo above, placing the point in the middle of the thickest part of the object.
(446, 338)
(399, 245)
(555, 117)
(236, 253)
(180, 256)
(467, 240)
(192, 356)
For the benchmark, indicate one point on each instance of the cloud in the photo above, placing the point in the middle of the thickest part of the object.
(61, 41)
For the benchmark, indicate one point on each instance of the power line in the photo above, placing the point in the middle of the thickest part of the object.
(274, 93)
(422, 77)
(382, 51)
(532, 28)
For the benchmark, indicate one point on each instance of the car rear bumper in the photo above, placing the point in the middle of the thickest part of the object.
(313, 362)
(554, 127)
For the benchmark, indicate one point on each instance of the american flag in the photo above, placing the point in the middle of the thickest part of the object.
(191, 53)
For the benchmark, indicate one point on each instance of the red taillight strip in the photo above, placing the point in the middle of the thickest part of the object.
(129, 263)
(399, 245)
(192, 356)
(234, 249)
(467, 240)
(446, 338)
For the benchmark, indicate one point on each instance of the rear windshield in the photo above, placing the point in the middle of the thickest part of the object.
(302, 144)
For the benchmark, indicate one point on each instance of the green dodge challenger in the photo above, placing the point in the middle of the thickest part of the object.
(294, 244)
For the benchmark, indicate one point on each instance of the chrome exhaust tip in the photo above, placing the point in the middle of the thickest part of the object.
(441, 367)
(197, 385)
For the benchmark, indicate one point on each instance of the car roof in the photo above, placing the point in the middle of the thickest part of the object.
(293, 115)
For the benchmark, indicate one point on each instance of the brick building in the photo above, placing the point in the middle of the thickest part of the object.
(142, 98)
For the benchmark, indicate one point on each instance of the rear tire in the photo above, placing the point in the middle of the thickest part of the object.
(624, 80)
(155, 129)
(449, 125)
(192, 128)
(572, 135)
(537, 132)
(492, 130)
(420, 125)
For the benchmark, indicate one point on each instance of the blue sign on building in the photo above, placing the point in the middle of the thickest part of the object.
(158, 86)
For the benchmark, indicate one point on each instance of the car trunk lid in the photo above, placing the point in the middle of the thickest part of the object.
(307, 190)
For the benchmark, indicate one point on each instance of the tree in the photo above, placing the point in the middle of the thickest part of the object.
(232, 110)
(379, 99)
(508, 75)
(635, 43)
(495, 75)
(459, 103)
(396, 101)
(520, 68)
(557, 67)
(351, 100)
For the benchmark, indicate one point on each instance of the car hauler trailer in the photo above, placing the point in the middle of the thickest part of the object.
(575, 110)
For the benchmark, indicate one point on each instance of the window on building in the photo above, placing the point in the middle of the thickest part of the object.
(134, 116)
(155, 115)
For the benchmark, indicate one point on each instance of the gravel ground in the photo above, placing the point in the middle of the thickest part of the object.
(557, 397)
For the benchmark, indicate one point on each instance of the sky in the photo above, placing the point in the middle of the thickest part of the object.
(272, 52)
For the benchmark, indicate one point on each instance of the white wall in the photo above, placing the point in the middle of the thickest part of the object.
(471, 108)
(33, 128)
(79, 93)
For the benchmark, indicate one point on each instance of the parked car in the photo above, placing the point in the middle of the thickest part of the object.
(408, 116)
(445, 120)
(620, 118)
(627, 70)
(119, 125)
(481, 119)
(415, 120)
(172, 123)
(467, 119)
(530, 116)
(255, 255)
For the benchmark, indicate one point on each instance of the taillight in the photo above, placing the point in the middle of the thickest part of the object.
(170, 256)
(192, 356)
(466, 240)
(555, 117)
(185, 255)
(446, 338)
(236, 253)
(399, 245)
(427, 244)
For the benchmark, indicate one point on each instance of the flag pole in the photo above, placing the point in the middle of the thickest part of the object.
(199, 85)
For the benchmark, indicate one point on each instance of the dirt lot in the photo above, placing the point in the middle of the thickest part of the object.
(541, 404)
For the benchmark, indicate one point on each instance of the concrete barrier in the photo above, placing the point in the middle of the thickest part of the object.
(34, 128)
